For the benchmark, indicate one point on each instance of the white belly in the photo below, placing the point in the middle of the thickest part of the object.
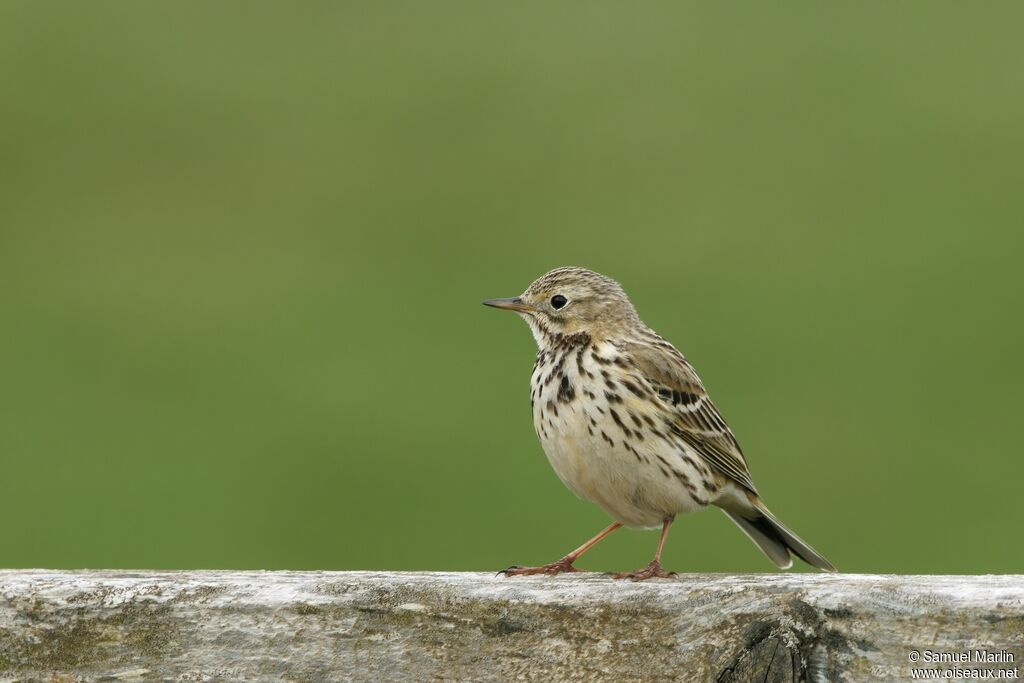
(637, 481)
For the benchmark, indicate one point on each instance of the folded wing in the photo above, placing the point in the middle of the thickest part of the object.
(692, 416)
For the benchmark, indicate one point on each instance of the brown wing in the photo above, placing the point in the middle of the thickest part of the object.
(691, 414)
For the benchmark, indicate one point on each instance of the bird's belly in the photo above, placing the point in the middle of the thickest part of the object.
(623, 476)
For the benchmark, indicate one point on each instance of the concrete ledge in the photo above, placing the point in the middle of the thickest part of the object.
(376, 626)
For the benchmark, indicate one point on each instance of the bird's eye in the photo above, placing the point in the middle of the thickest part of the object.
(557, 301)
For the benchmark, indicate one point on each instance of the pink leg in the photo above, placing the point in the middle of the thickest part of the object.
(564, 564)
(653, 569)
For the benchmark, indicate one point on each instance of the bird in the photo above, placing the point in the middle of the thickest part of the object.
(626, 423)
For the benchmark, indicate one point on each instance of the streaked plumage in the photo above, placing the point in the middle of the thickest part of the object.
(626, 422)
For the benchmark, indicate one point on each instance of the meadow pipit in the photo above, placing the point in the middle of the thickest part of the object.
(626, 422)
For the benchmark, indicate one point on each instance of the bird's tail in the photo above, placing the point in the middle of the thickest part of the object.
(773, 538)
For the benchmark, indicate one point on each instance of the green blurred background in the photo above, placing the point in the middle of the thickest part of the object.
(243, 246)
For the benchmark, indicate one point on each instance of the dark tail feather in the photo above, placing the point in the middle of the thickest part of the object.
(775, 540)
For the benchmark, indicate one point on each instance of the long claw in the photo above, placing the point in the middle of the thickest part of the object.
(652, 571)
(562, 566)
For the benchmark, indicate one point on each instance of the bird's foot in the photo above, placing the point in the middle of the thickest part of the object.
(651, 571)
(560, 567)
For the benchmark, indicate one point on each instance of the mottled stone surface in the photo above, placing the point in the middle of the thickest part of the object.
(374, 626)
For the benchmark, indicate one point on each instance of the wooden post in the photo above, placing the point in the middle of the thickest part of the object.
(386, 626)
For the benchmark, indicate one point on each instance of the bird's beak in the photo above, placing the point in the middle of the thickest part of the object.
(511, 304)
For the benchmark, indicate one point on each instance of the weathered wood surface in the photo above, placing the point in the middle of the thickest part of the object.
(383, 626)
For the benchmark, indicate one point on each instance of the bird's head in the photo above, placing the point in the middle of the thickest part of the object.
(568, 301)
